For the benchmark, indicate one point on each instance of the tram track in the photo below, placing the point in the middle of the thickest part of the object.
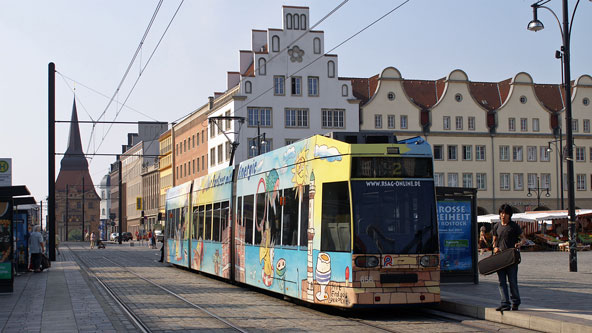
(132, 314)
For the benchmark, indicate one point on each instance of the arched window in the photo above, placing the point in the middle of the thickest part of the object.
(296, 22)
(303, 22)
(248, 87)
(344, 90)
(288, 21)
(331, 68)
(316, 45)
(275, 44)
(262, 66)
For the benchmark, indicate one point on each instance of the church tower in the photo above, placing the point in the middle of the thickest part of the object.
(77, 202)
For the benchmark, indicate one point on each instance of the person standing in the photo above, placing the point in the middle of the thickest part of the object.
(506, 235)
(36, 248)
(92, 240)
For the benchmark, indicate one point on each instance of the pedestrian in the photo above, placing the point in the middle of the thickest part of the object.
(152, 240)
(137, 236)
(92, 240)
(36, 248)
(507, 234)
(162, 251)
(483, 247)
(57, 243)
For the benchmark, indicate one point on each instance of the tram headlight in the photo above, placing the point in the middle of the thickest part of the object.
(367, 261)
(429, 261)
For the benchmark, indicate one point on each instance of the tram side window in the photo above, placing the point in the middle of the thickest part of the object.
(290, 226)
(239, 211)
(208, 223)
(259, 217)
(195, 221)
(216, 223)
(274, 216)
(200, 225)
(336, 218)
(248, 206)
(304, 218)
(223, 217)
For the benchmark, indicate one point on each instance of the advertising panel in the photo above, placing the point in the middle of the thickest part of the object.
(5, 241)
(454, 226)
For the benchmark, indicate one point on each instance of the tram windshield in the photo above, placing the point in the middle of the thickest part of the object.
(394, 217)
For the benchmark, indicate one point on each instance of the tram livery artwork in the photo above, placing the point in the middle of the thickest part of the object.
(319, 220)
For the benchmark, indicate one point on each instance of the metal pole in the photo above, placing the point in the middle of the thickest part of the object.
(573, 259)
(51, 160)
(67, 206)
(561, 167)
(83, 233)
(120, 184)
(258, 137)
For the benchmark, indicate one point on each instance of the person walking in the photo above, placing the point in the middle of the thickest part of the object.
(93, 238)
(36, 248)
(506, 235)
(152, 240)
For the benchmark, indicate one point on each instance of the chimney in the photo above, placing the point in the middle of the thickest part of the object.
(211, 99)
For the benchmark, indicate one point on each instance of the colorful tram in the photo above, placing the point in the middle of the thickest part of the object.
(319, 220)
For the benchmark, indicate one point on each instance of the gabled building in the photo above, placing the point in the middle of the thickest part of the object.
(499, 137)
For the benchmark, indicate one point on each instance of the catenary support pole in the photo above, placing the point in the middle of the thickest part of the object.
(51, 161)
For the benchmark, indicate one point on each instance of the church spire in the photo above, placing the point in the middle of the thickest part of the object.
(74, 158)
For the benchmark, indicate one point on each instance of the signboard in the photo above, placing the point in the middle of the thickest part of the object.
(456, 243)
(5, 245)
(5, 172)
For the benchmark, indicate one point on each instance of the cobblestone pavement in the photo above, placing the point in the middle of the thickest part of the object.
(248, 309)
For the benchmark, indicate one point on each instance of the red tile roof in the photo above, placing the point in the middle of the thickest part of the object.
(550, 95)
(504, 89)
(421, 92)
(363, 88)
(486, 93)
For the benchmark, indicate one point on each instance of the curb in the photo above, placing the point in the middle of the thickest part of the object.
(541, 321)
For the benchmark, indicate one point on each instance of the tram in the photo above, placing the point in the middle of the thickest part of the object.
(320, 220)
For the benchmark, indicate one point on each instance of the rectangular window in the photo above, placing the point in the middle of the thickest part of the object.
(228, 151)
(467, 153)
(279, 84)
(544, 153)
(296, 86)
(377, 121)
(265, 146)
(193, 165)
(336, 218)
(208, 223)
(523, 124)
(581, 182)
(518, 181)
(586, 125)
(531, 153)
(212, 130)
(468, 180)
(446, 122)
(453, 179)
(391, 121)
(452, 151)
(216, 222)
(258, 114)
(296, 117)
(546, 181)
(220, 154)
(197, 162)
(228, 121)
(504, 153)
(531, 180)
(481, 181)
(581, 154)
(471, 123)
(197, 138)
(512, 124)
(438, 152)
(574, 125)
(517, 153)
(313, 86)
(203, 162)
(535, 125)
(290, 141)
(480, 153)
(184, 145)
(504, 181)
(290, 217)
(333, 118)
(459, 122)
(213, 156)
(203, 136)
(248, 211)
(439, 179)
(193, 141)
(403, 122)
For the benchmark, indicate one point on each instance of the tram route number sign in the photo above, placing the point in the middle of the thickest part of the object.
(454, 226)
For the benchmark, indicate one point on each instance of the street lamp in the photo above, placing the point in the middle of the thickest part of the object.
(538, 190)
(536, 25)
(558, 161)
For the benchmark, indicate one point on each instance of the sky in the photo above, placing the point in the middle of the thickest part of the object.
(92, 44)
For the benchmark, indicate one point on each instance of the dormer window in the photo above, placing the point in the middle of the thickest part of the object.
(262, 66)
(275, 43)
(289, 21)
(316, 45)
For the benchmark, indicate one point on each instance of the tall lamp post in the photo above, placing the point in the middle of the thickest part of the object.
(538, 190)
(536, 25)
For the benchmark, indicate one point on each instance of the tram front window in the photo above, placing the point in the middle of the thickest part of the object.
(394, 217)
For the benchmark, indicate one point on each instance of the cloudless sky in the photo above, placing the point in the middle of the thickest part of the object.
(92, 42)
